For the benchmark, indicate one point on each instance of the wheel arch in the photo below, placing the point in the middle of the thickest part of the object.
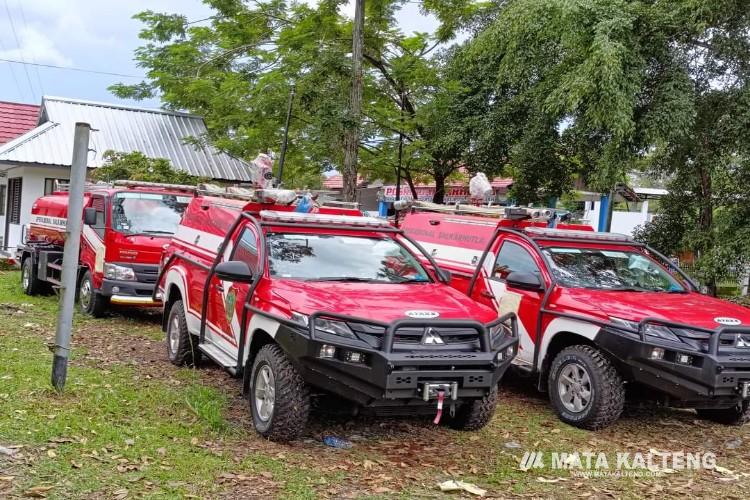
(258, 339)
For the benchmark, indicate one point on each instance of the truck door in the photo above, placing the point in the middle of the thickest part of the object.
(93, 248)
(226, 298)
(516, 256)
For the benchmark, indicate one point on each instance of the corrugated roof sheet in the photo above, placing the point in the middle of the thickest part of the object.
(156, 133)
(16, 119)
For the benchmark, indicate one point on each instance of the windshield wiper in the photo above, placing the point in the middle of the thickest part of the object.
(401, 279)
(350, 279)
(627, 289)
(149, 233)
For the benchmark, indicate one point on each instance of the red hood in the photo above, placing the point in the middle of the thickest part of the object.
(688, 308)
(380, 302)
(138, 249)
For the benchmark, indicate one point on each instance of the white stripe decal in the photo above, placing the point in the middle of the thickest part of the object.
(201, 239)
(47, 221)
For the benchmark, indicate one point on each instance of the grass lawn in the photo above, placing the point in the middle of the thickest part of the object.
(131, 425)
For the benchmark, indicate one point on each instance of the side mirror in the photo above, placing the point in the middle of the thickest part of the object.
(89, 216)
(524, 281)
(234, 270)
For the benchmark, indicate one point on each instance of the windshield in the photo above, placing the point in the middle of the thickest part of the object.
(609, 270)
(147, 213)
(342, 258)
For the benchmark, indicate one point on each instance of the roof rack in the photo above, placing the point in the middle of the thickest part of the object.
(315, 218)
(514, 213)
(63, 185)
(542, 232)
(132, 184)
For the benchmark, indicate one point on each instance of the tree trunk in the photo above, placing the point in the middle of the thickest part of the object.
(351, 136)
(410, 182)
(439, 196)
(706, 220)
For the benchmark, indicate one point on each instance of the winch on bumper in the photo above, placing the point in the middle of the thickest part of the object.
(393, 369)
(706, 369)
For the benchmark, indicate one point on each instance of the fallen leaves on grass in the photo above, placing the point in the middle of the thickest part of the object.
(37, 491)
(454, 485)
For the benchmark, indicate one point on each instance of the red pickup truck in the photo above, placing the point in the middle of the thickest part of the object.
(598, 313)
(306, 304)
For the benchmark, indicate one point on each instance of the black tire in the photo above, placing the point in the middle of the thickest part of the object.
(606, 390)
(29, 282)
(287, 417)
(90, 300)
(475, 414)
(737, 415)
(182, 348)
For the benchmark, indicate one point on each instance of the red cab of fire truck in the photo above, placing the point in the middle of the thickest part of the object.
(126, 225)
(598, 312)
(305, 305)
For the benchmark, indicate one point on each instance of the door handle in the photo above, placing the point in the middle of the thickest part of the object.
(219, 287)
(489, 295)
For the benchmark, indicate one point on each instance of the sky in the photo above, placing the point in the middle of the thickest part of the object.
(98, 36)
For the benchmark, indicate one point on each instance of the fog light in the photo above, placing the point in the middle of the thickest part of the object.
(115, 289)
(657, 353)
(327, 351)
(355, 357)
(159, 296)
(684, 359)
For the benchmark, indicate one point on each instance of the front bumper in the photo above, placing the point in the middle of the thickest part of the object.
(396, 374)
(714, 377)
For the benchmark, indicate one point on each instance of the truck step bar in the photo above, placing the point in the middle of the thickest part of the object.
(220, 356)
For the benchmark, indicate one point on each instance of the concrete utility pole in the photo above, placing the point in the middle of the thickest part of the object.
(70, 255)
(351, 136)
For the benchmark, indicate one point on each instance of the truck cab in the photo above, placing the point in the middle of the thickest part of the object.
(126, 224)
(598, 313)
(308, 305)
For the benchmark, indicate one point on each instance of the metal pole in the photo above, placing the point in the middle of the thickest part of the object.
(70, 255)
(400, 149)
(282, 156)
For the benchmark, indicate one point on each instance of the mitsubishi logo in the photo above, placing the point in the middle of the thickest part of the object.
(431, 337)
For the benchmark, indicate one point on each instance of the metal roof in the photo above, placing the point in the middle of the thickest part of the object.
(16, 119)
(154, 132)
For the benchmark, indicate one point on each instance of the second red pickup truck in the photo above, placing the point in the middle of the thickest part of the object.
(301, 305)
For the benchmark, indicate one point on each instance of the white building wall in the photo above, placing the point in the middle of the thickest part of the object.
(32, 187)
(622, 222)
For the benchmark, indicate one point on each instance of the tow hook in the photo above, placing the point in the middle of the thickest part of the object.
(441, 396)
(745, 389)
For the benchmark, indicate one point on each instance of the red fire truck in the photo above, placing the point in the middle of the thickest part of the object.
(126, 225)
(598, 313)
(304, 305)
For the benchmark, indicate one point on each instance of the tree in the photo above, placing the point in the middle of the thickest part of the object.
(626, 84)
(136, 166)
(237, 69)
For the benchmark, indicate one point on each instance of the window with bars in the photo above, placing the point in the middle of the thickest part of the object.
(14, 200)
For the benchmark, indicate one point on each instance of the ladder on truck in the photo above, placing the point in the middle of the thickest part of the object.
(267, 195)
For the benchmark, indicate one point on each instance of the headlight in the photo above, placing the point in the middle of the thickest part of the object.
(661, 332)
(650, 329)
(743, 341)
(625, 323)
(300, 318)
(499, 331)
(115, 272)
(334, 327)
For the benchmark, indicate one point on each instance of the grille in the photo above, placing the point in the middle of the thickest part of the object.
(146, 273)
(405, 338)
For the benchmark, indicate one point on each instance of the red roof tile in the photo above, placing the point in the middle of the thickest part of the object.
(16, 119)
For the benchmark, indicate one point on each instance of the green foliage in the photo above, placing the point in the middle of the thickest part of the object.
(136, 166)
(592, 89)
(238, 69)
